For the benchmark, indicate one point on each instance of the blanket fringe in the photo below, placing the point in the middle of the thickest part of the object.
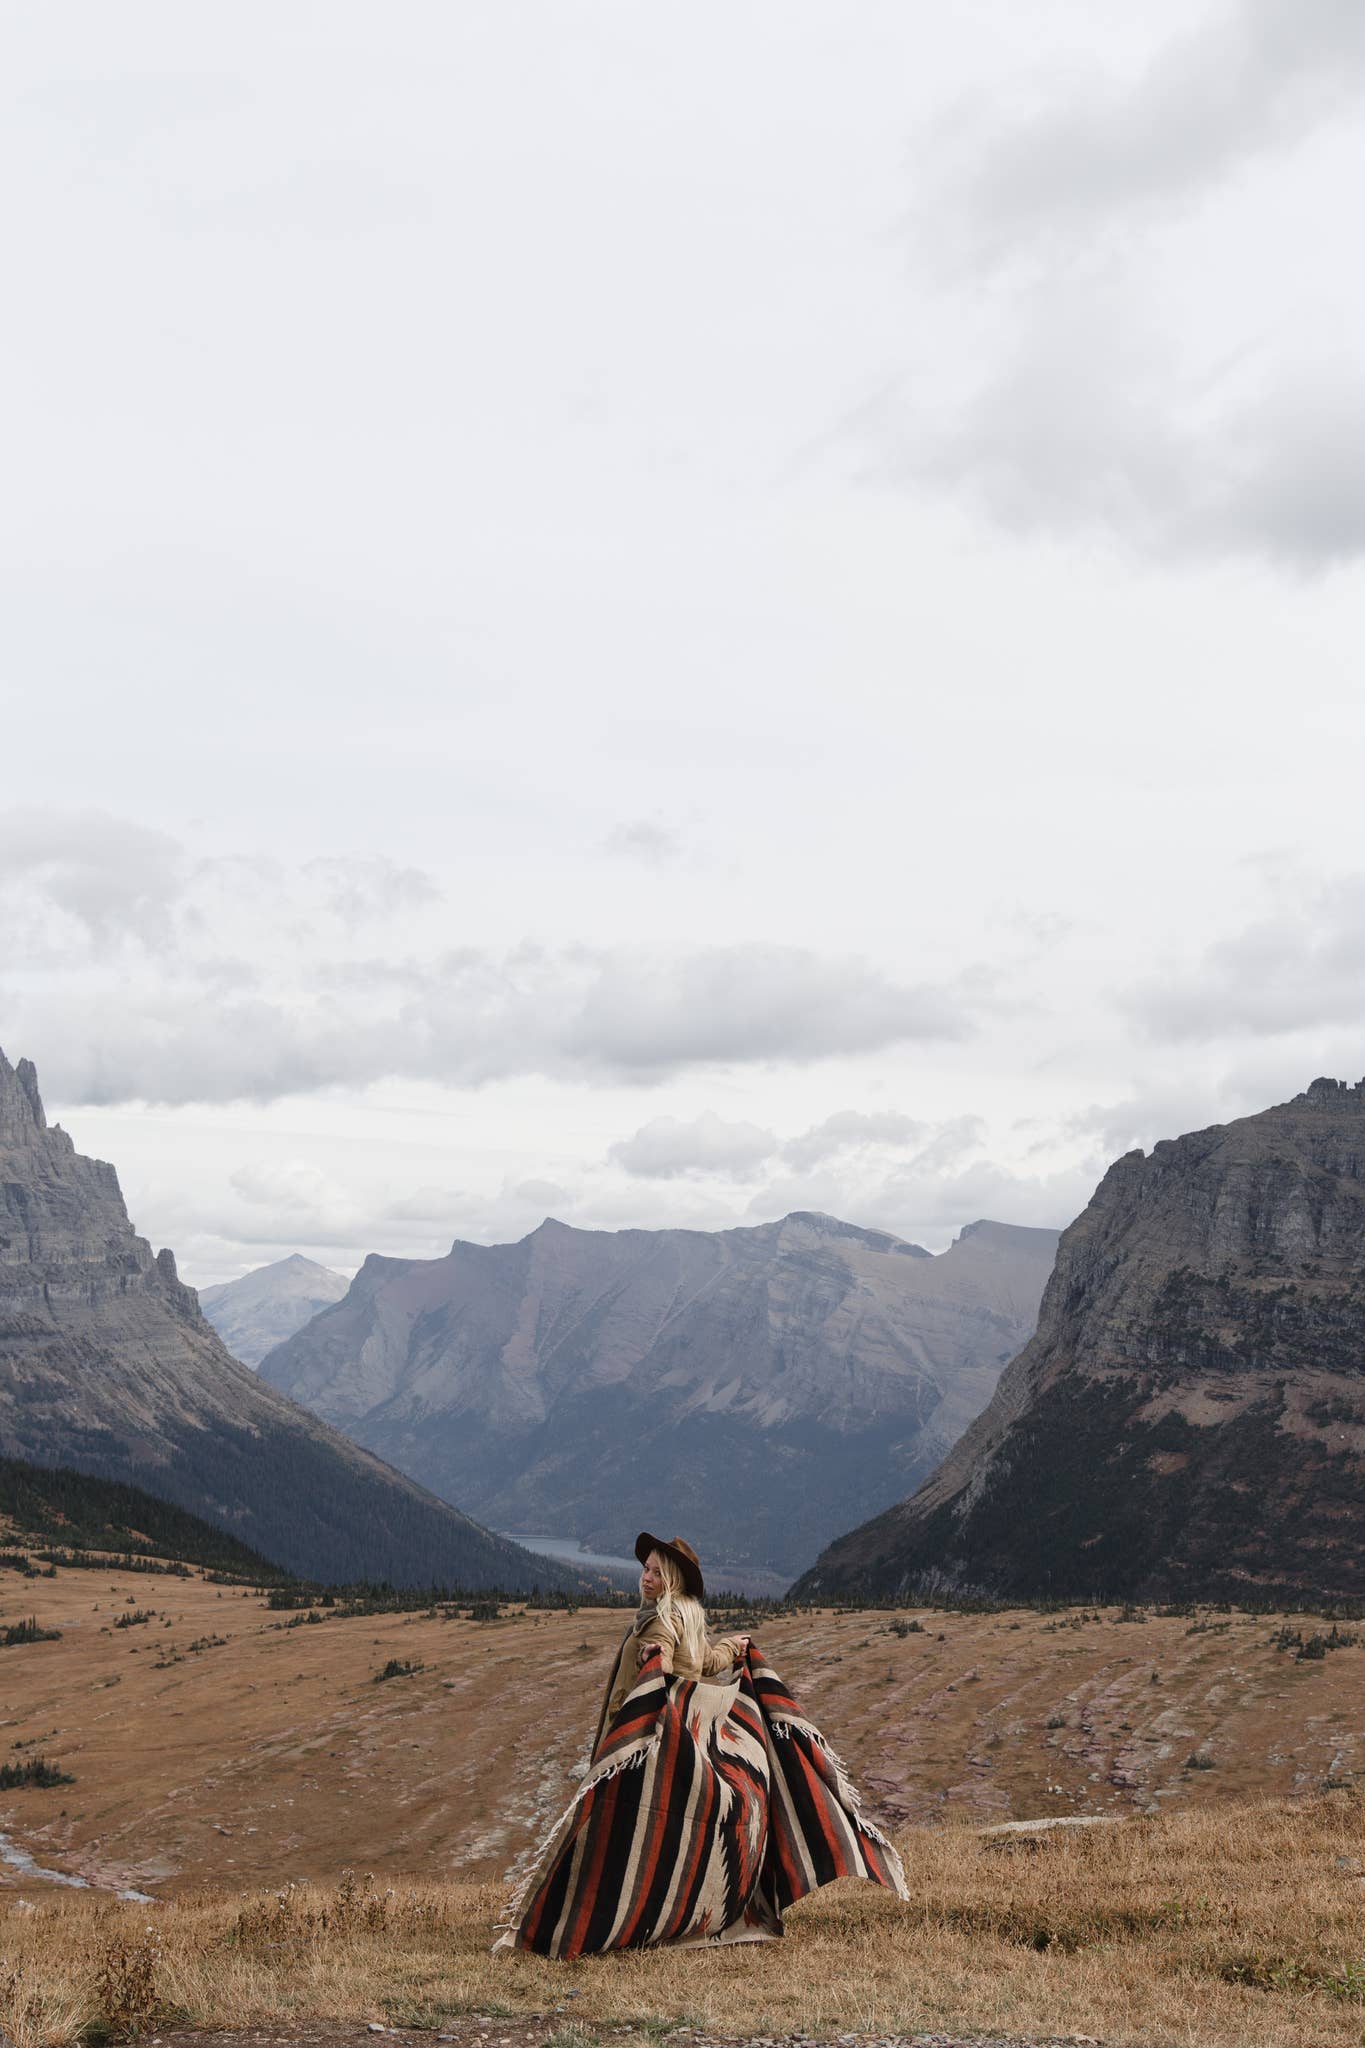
(848, 1792)
(512, 1912)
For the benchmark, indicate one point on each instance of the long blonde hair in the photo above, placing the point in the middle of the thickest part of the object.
(679, 1612)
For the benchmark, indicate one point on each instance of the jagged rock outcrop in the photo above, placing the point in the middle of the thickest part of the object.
(758, 1387)
(107, 1365)
(254, 1314)
(1189, 1418)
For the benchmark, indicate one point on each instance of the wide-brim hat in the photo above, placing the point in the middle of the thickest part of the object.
(683, 1556)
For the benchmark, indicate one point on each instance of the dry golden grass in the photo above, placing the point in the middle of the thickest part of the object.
(1204, 1928)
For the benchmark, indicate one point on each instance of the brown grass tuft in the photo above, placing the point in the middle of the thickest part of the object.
(1208, 1928)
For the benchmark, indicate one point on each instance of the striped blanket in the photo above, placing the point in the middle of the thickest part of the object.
(707, 1811)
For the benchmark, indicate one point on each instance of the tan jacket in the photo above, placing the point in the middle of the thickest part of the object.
(647, 1633)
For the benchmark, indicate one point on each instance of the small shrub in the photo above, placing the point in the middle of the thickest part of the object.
(398, 1667)
(907, 1628)
(27, 1632)
(1198, 1760)
(126, 1986)
(571, 2036)
(1268, 1972)
(138, 1617)
(297, 1919)
(1055, 1721)
(35, 1771)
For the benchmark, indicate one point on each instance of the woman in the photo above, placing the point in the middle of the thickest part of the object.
(711, 1802)
(671, 1619)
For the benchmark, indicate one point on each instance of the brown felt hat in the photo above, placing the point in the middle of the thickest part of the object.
(683, 1556)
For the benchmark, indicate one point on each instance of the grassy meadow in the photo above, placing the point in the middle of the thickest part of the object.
(236, 1761)
(1217, 1926)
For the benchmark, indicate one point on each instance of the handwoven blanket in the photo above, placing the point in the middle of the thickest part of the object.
(708, 1810)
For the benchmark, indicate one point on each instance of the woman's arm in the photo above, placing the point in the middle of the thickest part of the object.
(725, 1650)
(656, 1635)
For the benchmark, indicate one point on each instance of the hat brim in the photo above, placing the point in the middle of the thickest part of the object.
(693, 1582)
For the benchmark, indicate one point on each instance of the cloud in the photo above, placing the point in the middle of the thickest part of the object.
(1298, 969)
(1089, 420)
(70, 881)
(851, 1130)
(639, 1013)
(917, 1179)
(1132, 374)
(1253, 77)
(952, 1181)
(359, 888)
(645, 840)
(102, 876)
(240, 979)
(668, 1147)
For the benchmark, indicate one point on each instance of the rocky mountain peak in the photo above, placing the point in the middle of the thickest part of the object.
(107, 1364)
(814, 1225)
(27, 1076)
(260, 1309)
(1333, 1096)
(751, 1381)
(21, 1105)
(1189, 1417)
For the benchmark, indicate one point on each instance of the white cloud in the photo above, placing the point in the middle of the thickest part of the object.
(103, 878)
(928, 1203)
(239, 980)
(851, 1130)
(916, 1178)
(294, 1187)
(1250, 77)
(1137, 369)
(646, 840)
(1298, 968)
(668, 1147)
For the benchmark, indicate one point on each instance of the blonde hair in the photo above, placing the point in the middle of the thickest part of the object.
(679, 1612)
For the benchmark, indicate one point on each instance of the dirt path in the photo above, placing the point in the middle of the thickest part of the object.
(528, 2031)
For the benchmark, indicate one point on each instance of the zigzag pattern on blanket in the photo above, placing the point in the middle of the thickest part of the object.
(708, 1810)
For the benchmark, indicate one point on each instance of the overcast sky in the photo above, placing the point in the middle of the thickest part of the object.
(666, 617)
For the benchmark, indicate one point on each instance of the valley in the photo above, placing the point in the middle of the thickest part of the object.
(214, 1740)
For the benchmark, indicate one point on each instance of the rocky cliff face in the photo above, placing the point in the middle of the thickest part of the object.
(758, 1387)
(1190, 1416)
(254, 1314)
(107, 1365)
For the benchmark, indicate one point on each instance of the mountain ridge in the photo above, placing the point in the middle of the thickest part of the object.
(107, 1365)
(1189, 1418)
(259, 1309)
(750, 1382)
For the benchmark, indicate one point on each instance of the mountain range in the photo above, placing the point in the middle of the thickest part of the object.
(108, 1366)
(757, 1388)
(1189, 1418)
(254, 1314)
